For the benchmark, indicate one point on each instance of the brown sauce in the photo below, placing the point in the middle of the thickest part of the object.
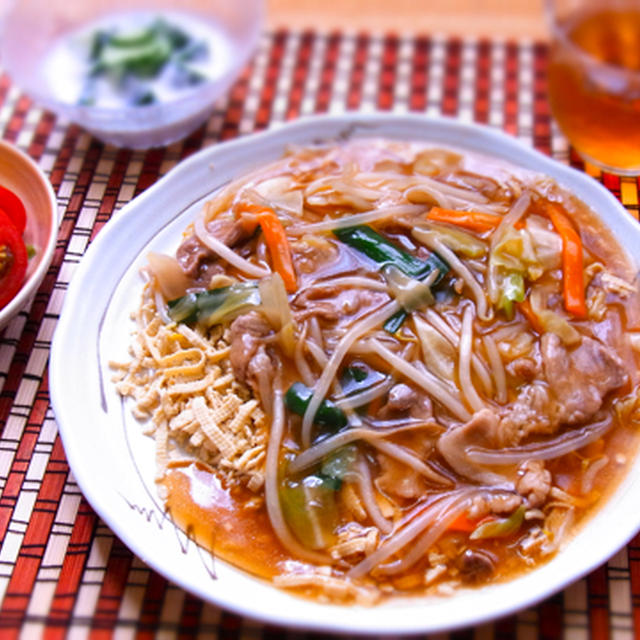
(224, 520)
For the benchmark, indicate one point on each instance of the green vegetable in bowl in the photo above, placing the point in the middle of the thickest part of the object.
(131, 59)
(336, 466)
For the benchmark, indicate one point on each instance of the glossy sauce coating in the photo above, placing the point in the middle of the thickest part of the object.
(228, 521)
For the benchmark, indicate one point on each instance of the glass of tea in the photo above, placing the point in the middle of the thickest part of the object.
(594, 79)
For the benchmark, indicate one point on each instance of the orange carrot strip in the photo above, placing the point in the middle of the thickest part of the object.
(465, 524)
(279, 249)
(525, 308)
(474, 220)
(572, 271)
(253, 207)
(248, 215)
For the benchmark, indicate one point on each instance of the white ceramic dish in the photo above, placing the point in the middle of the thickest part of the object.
(24, 177)
(113, 462)
(44, 24)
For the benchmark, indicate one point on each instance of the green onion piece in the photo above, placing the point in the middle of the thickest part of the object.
(297, 400)
(212, 307)
(184, 309)
(133, 37)
(141, 52)
(192, 51)
(501, 527)
(512, 290)
(383, 252)
(142, 60)
(100, 38)
(148, 97)
(336, 466)
(310, 509)
(358, 377)
(394, 322)
(131, 59)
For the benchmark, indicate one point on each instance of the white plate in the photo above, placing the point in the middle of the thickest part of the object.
(113, 462)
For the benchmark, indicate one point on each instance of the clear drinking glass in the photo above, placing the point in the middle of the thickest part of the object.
(594, 79)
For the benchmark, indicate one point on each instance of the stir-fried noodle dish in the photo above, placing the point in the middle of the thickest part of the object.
(379, 368)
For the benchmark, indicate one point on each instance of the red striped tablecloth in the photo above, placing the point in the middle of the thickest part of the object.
(62, 572)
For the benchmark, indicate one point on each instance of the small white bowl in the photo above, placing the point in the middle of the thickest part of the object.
(32, 30)
(20, 174)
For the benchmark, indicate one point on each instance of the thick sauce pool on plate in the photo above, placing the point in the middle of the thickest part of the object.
(226, 520)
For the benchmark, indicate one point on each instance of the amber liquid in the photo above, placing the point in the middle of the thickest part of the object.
(594, 87)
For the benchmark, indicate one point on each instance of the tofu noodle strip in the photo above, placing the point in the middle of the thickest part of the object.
(378, 368)
(186, 362)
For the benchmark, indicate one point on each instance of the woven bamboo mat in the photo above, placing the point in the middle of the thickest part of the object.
(62, 572)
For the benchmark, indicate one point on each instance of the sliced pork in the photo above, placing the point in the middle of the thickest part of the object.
(249, 359)
(580, 379)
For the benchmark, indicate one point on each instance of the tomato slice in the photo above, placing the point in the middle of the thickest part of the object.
(11, 204)
(13, 260)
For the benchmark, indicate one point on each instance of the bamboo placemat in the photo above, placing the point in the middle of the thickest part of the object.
(63, 574)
